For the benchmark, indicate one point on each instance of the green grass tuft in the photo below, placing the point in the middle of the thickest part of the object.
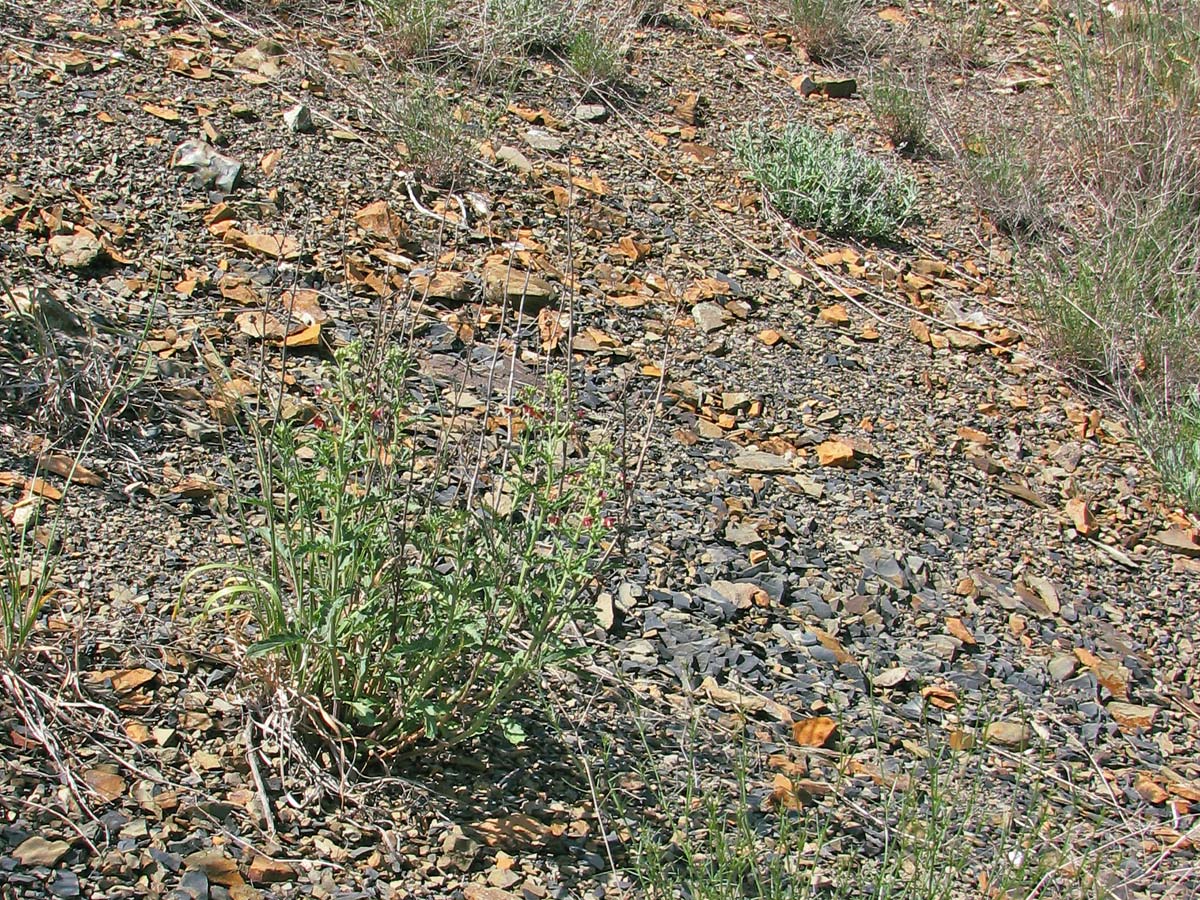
(437, 142)
(902, 111)
(1006, 182)
(1176, 439)
(593, 57)
(827, 29)
(939, 827)
(1121, 299)
(417, 23)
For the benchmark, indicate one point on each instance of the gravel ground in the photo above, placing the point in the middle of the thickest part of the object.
(864, 493)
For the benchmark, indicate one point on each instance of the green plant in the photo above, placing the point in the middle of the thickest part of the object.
(56, 373)
(826, 28)
(962, 35)
(901, 109)
(714, 850)
(1123, 308)
(1006, 181)
(521, 26)
(1119, 299)
(1177, 448)
(418, 23)
(590, 35)
(594, 58)
(938, 828)
(394, 617)
(436, 139)
(822, 180)
(75, 399)
(26, 585)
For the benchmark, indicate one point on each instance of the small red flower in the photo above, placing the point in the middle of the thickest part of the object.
(609, 521)
(319, 423)
(377, 414)
(553, 519)
(587, 521)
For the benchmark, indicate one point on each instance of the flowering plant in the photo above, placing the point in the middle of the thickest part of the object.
(393, 592)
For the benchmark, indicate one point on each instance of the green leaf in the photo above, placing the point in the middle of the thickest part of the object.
(512, 731)
(364, 711)
(271, 644)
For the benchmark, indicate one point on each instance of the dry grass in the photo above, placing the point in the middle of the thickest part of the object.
(1099, 186)
(493, 39)
(900, 103)
(1003, 173)
(1120, 296)
(962, 41)
(827, 29)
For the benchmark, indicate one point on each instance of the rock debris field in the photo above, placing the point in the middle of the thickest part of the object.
(871, 540)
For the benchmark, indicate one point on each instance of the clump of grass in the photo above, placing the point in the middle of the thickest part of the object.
(1126, 306)
(822, 180)
(524, 26)
(1121, 299)
(416, 23)
(388, 605)
(714, 850)
(595, 58)
(827, 29)
(943, 824)
(1003, 177)
(432, 131)
(26, 571)
(1177, 448)
(962, 35)
(63, 383)
(498, 36)
(902, 111)
(54, 372)
(1123, 307)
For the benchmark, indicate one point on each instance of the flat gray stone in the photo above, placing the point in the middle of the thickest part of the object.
(540, 139)
(502, 284)
(943, 646)
(37, 851)
(710, 317)
(885, 566)
(212, 168)
(65, 884)
(810, 487)
(194, 884)
(740, 594)
(640, 647)
(514, 159)
(590, 112)
(605, 611)
(298, 118)
(1063, 667)
(889, 678)
(76, 251)
(1010, 734)
(742, 535)
(761, 461)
